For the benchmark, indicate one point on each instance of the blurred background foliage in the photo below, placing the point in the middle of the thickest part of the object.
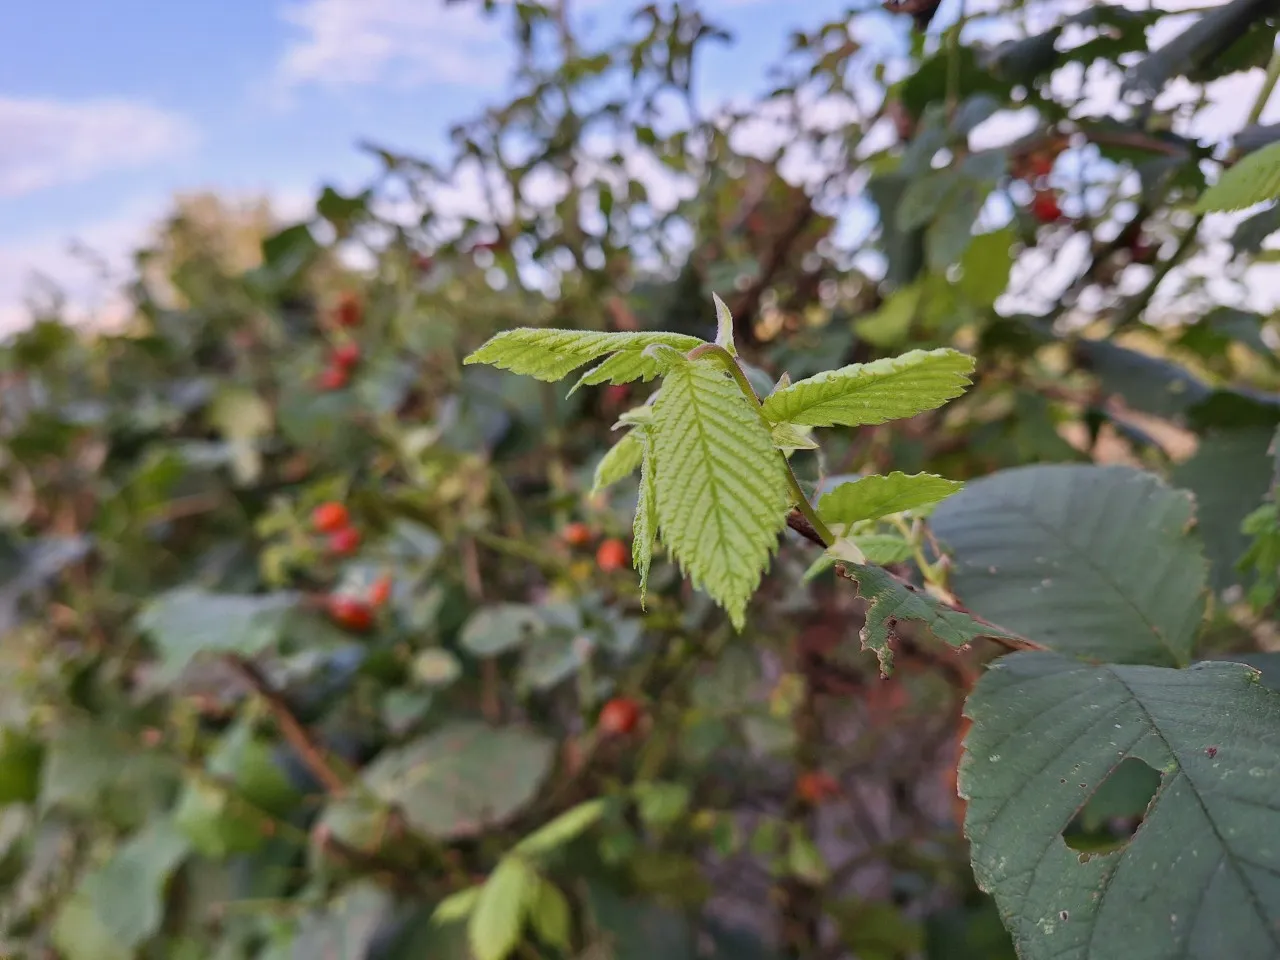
(236, 727)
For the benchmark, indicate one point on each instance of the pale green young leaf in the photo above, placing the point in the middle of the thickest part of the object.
(551, 916)
(883, 548)
(457, 906)
(563, 829)
(626, 366)
(645, 526)
(620, 462)
(879, 496)
(493, 929)
(871, 393)
(553, 354)
(1255, 179)
(724, 326)
(789, 437)
(720, 485)
(892, 601)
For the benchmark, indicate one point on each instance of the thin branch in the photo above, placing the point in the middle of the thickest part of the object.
(312, 753)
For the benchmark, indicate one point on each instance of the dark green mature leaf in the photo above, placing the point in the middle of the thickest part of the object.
(1146, 383)
(1198, 46)
(463, 778)
(1229, 475)
(1090, 561)
(504, 626)
(719, 486)
(636, 930)
(892, 601)
(1198, 879)
(348, 927)
(870, 393)
(189, 621)
(127, 893)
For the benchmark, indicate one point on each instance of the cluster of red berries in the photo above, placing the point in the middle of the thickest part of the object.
(357, 613)
(334, 521)
(344, 356)
(612, 554)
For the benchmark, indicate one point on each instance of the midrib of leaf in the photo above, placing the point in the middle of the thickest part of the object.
(1103, 574)
(1227, 853)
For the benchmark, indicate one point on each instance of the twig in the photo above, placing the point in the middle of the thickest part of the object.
(315, 756)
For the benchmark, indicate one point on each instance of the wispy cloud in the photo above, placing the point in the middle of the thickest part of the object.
(51, 142)
(400, 42)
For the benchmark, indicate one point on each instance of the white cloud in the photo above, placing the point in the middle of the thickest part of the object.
(405, 42)
(51, 142)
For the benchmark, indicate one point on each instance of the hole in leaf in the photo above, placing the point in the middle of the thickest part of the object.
(1114, 811)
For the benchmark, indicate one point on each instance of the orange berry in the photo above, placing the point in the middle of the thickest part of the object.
(351, 613)
(349, 311)
(612, 555)
(346, 355)
(816, 787)
(1045, 207)
(330, 517)
(380, 592)
(576, 534)
(334, 378)
(619, 716)
(345, 541)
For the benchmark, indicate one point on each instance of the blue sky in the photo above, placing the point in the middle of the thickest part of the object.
(107, 109)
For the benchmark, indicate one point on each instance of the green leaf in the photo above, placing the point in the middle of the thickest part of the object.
(463, 779)
(565, 828)
(552, 920)
(804, 859)
(1229, 475)
(216, 823)
(724, 326)
(21, 758)
(891, 601)
(644, 528)
(888, 326)
(188, 621)
(788, 437)
(1255, 179)
(879, 496)
(986, 265)
(349, 927)
(883, 548)
(622, 460)
(871, 393)
(127, 893)
(504, 626)
(661, 803)
(552, 354)
(246, 761)
(1198, 879)
(505, 900)
(436, 667)
(720, 486)
(242, 418)
(1092, 561)
(80, 934)
(456, 906)
(628, 366)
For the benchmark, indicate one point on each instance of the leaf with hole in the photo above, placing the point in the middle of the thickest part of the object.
(1198, 878)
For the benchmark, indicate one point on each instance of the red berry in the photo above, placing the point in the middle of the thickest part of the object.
(576, 534)
(345, 541)
(1143, 252)
(816, 787)
(1040, 164)
(1045, 207)
(330, 517)
(380, 592)
(346, 355)
(348, 312)
(351, 613)
(334, 378)
(619, 716)
(612, 555)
